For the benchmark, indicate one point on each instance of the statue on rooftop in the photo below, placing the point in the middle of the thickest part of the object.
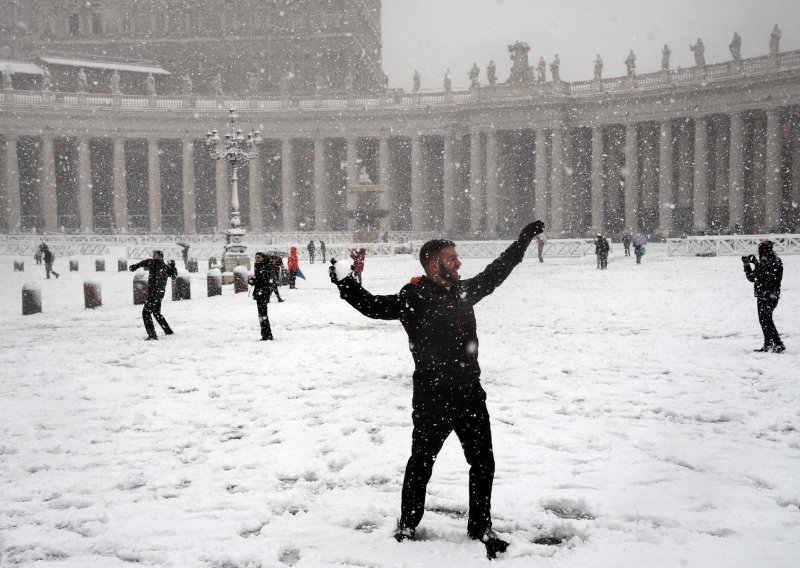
(630, 64)
(775, 40)
(448, 81)
(150, 84)
(699, 51)
(115, 90)
(473, 75)
(541, 70)
(83, 82)
(555, 69)
(252, 83)
(665, 54)
(521, 72)
(416, 81)
(736, 47)
(491, 74)
(7, 80)
(186, 86)
(216, 84)
(47, 79)
(598, 68)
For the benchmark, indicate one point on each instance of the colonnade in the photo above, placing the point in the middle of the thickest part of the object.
(685, 174)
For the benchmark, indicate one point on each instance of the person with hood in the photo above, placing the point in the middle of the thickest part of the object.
(358, 256)
(311, 250)
(322, 249)
(766, 274)
(601, 249)
(260, 281)
(49, 259)
(437, 312)
(293, 266)
(159, 271)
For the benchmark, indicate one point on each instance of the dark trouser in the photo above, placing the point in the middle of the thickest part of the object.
(541, 259)
(152, 307)
(433, 421)
(627, 250)
(273, 289)
(311, 257)
(292, 278)
(603, 261)
(323, 256)
(765, 308)
(263, 317)
(48, 268)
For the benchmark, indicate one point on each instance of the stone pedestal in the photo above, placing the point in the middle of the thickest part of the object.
(122, 265)
(214, 282)
(235, 250)
(140, 288)
(191, 265)
(92, 294)
(73, 266)
(99, 265)
(367, 215)
(31, 299)
(181, 288)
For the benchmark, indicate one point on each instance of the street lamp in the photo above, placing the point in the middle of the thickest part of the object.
(237, 150)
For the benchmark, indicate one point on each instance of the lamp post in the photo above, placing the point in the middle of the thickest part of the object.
(237, 150)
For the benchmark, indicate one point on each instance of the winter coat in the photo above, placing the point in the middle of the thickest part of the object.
(260, 281)
(292, 262)
(49, 257)
(440, 324)
(160, 272)
(601, 247)
(358, 259)
(766, 276)
(311, 248)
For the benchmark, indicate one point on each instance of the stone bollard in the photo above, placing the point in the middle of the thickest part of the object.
(19, 266)
(191, 265)
(99, 265)
(31, 299)
(140, 287)
(122, 265)
(240, 279)
(227, 278)
(212, 262)
(214, 281)
(73, 265)
(92, 294)
(181, 288)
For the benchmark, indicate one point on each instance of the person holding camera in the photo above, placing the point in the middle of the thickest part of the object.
(160, 271)
(766, 274)
(437, 312)
(261, 281)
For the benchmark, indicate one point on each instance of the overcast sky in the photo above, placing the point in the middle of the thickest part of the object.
(432, 35)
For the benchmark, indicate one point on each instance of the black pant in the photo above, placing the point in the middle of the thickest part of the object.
(48, 268)
(627, 249)
(273, 289)
(765, 308)
(152, 307)
(434, 419)
(311, 256)
(292, 278)
(262, 302)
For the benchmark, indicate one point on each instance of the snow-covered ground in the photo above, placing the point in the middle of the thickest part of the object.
(631, 419)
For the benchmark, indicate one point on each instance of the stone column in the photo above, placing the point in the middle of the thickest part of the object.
(223, 195)
(85, 186)
(154, 185)
(558, 183)
(449, 185)
(189, 206)
(476, 198)
(772, 197)
(320, 195)
(721, 165)
(418, 204)
(736, 181)
(120, 187)
(796, 165)
(631, 179)
(666, 200)
(256, 189)
(540, 178)
(352, 178)
(598, 195)
(700, 196)
(13, 202)
(386, 197)
(492, 190)
(287, 185)
(49, 204)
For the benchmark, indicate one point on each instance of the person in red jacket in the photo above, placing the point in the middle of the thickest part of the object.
(293, 265)
(358, 257)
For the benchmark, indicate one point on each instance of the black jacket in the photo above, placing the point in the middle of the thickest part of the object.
(261, 279)
(160, 271)
(49, 257)
(766, 276)
(440, 323)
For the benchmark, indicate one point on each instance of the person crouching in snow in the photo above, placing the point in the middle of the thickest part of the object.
(437, 312)
(261, 283)
(293, 266)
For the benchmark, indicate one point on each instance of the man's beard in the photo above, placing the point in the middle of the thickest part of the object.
(449, 276)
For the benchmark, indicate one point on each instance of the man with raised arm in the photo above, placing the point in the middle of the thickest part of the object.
(436, 311)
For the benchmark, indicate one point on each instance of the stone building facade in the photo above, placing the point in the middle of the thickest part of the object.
(709, 149)
(319, 45)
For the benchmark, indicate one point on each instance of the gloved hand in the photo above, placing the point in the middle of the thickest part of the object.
(132, 269)
(532, 229)
(338, 271)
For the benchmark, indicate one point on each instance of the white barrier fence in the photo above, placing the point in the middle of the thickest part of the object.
(730, 245)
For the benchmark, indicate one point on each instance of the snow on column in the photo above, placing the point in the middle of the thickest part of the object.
(154, 185)
(598, 202)
(772, 196)
(492, 192)
(120, 186)
(386, 198)
(700, 198)
(320, 197)
(189, 225)
(255, 187)
(449, 185)
(666, 199)
(223, 195)
(417, 194)
(287, 185)
(476, 201)
(48, 189)
(85, 186)
(558, 174)
(352, 178)
(13, 203)
(631, 175)
(540, 177)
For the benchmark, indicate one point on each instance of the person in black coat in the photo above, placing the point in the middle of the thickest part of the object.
(311, 250)
(260, 281)
(437, 313)
(160, 272)
(766, 274)
(322, 249)
(49, 258)
(601, 249)
(274, 274)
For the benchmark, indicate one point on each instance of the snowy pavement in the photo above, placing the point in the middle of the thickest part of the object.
(631, 421)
